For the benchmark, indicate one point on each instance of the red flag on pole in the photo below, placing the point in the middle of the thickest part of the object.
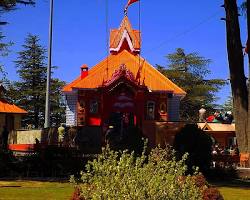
(128, 4)
(247, 47)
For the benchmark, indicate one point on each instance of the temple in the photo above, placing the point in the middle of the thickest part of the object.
(122, 85)
(10, 114)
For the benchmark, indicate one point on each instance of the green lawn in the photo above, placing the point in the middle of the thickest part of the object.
(37, 190)
(231, 193)
(24, 190)
(234, 190)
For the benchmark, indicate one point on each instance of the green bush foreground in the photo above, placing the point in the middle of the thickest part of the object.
(156, 176)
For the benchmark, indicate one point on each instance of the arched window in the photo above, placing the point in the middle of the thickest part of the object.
(150, 110)
(163, 108)
(93, 108)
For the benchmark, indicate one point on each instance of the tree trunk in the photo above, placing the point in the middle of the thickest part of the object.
(237, 75)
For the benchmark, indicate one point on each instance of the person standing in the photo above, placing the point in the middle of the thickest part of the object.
(61, 133)
(202, 112)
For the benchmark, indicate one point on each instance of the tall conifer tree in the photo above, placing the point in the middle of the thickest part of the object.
(189, 71)
(29, 92)
(3, 52)
(6, 6)
(32, 72)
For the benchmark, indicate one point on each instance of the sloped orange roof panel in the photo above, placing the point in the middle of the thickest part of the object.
(221, 127)
(103, 71)
(6, 107)
(68, 88)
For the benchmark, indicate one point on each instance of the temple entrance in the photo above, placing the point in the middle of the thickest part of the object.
(122, 132)
(121, 121)
(120, 105)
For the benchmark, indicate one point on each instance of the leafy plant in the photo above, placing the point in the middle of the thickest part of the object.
(122, 175)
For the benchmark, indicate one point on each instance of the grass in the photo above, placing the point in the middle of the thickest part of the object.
(35, 190)
(230, 193)
(39, 190)
(234, 190)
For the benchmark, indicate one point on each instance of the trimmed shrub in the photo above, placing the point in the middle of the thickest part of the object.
(197, 144)
(212, 194)
(122, 175)
(200, 181)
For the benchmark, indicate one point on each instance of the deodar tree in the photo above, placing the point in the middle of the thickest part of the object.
(31, 69)
(240, 91)
(189, 71)
(29, 91)
(6, 6)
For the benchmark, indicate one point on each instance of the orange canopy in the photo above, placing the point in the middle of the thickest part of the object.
(6, 107)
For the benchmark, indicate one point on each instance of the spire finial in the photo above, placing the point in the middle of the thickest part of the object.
(128, 4)
(126, 12)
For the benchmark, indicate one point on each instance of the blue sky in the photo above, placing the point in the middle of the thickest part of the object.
(80, 32)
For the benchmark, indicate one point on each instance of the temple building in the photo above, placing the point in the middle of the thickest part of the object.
(122, 85)
(10, 114)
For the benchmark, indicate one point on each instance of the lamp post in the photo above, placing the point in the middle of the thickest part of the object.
(47, 104)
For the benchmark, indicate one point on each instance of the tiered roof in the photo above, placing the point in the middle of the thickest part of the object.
(125, 34)
(145, 73)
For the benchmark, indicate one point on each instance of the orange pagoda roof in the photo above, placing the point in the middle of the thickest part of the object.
(6, 107)
(125, 44)
(149, 76)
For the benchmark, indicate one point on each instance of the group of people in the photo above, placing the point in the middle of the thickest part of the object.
(220, 117)
(218, 150)
(225, 156)
(217, 117)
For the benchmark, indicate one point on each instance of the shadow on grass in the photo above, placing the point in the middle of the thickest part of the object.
(237, 183)
(38, 179)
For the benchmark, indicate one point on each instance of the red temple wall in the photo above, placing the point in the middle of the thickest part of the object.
(84, 114)
(106, 102)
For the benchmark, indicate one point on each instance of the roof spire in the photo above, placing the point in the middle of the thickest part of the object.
(125, 38)
(125, 12)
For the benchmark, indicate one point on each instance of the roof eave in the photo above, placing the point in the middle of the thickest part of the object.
(17, 113)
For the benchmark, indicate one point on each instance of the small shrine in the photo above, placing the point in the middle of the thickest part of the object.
(10, 114)
(123, 85)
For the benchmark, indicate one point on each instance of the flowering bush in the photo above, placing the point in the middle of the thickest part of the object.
(212, 194)
(77, 194)
(122, 175)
